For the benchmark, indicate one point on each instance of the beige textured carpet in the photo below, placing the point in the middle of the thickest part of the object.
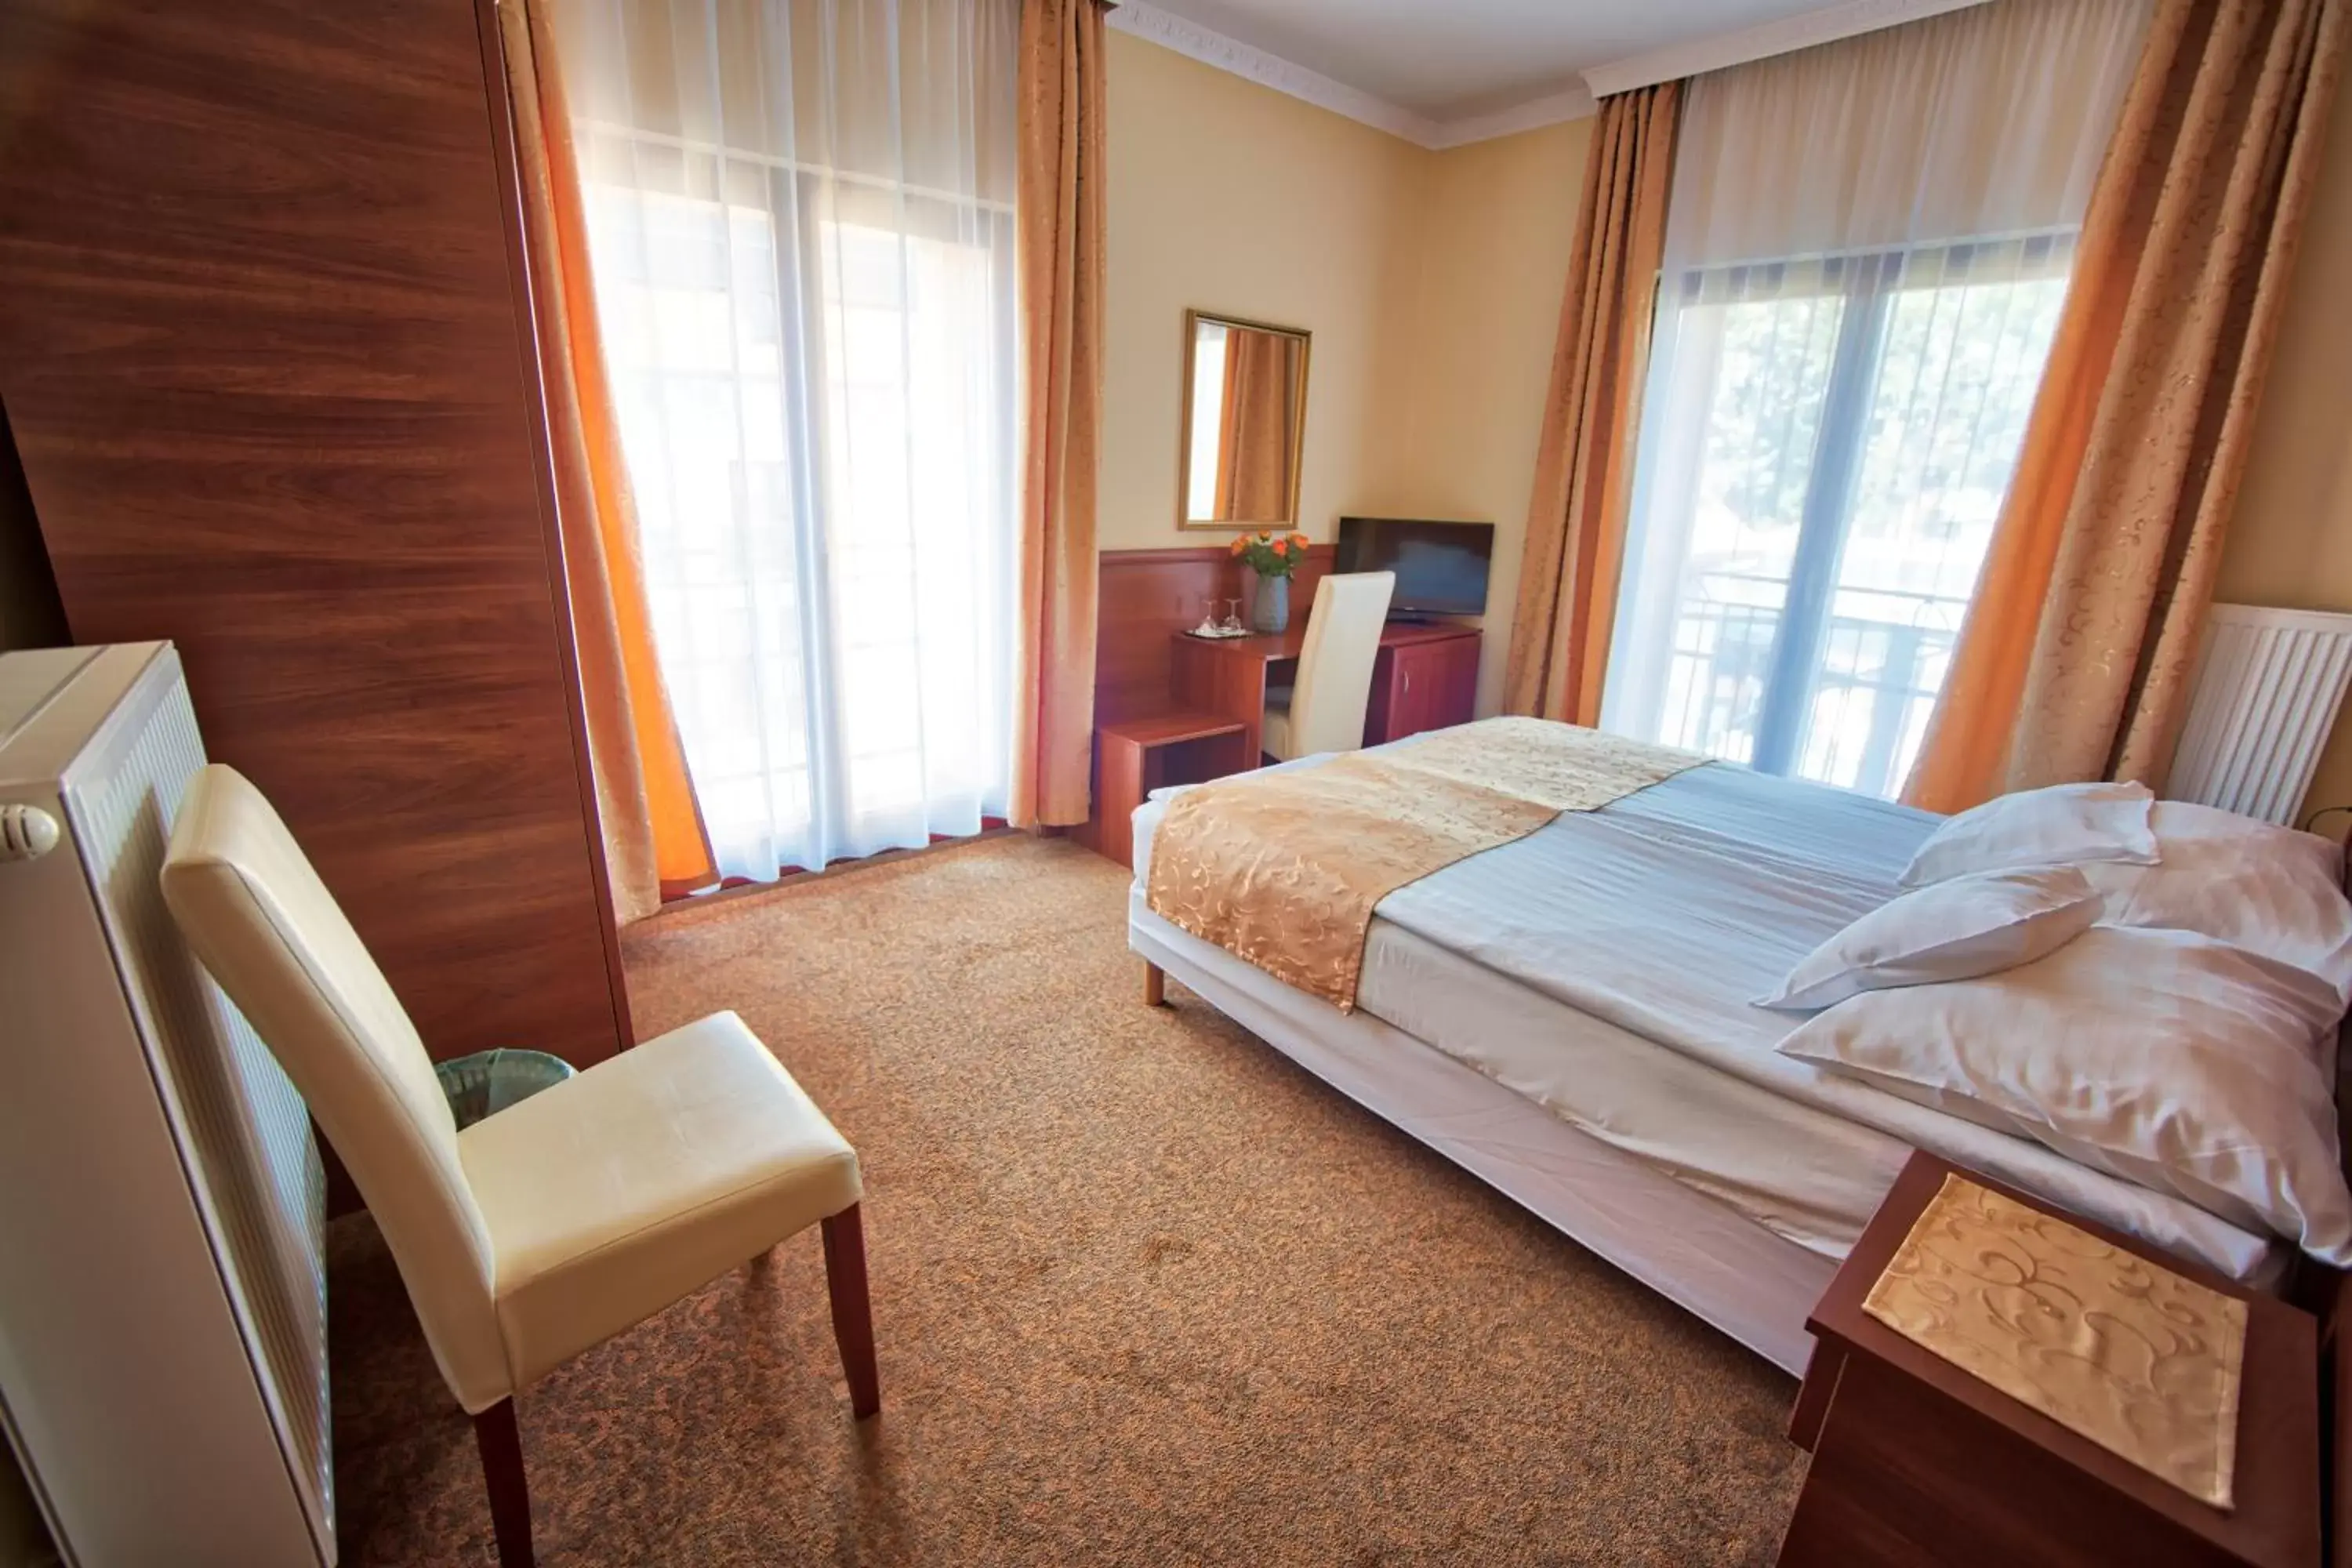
(1145, 1293)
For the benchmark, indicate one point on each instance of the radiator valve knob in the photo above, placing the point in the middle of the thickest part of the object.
(26, 832)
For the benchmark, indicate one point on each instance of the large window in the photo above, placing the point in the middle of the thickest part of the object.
(1833, 439)
(801, 227)
(1865, 259)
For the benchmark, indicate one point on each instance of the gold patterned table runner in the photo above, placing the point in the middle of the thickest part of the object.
(1282, 868)
(2143, 1362)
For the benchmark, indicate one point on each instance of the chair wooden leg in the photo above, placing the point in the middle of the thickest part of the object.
(501, 1445)
(1155, 985)
(852, 1314)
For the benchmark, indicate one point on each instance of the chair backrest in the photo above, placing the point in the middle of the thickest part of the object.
(256, 915)
(1335, 666)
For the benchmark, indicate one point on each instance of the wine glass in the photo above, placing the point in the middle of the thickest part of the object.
(1210, 626)
(1232, 627)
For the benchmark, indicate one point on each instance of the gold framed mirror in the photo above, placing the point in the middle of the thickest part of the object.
(1244, 423)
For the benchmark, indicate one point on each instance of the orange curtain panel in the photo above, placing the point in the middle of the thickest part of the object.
(1059, 254)
(2079, 648)
(1576, 520)
(654, 838)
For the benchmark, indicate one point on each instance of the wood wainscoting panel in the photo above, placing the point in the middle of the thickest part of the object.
(1144, 598)
(1145, 595)
(262, 349)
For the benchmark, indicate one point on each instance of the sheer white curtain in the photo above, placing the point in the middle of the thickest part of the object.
(1867, 247)
(802, 229)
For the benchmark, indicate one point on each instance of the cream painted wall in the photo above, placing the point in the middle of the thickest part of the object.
(1431, 281)
(2291, 542)
(1499, 218)
(1229, 196)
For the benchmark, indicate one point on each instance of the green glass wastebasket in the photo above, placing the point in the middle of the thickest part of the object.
(489, 1082)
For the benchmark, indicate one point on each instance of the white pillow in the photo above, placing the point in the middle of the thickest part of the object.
(1956, 929)
(2163, 1057)
(2063, 825)
(2269, 889)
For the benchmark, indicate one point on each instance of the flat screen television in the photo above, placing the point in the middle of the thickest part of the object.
(1441, 567)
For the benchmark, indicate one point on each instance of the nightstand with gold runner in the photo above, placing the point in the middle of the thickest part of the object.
(1996, 1381)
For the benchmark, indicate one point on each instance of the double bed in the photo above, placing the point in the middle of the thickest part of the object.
(1571, 1017)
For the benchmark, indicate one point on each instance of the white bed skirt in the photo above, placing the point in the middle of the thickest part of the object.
(1752, 1283)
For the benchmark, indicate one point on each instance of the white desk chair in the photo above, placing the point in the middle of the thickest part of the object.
(1324, 711)
(556, 1223)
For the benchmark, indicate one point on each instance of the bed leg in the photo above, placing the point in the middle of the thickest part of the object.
(1155, 984)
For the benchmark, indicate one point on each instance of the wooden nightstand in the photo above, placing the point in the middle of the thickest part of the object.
(1134, 758)
(1917, 1461)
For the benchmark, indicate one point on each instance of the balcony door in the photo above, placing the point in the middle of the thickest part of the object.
(1833, 441)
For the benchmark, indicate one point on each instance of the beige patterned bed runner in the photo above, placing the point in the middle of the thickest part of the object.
(1282, 868)
(2143, 1362)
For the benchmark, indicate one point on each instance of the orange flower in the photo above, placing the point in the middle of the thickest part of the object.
(1282, 547)
(1240, 544)
(1299, 539)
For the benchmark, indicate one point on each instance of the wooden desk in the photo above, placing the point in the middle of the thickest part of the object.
(1425, 678)
(1915, 1461)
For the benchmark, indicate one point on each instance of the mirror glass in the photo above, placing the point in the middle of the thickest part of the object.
(1244, 414)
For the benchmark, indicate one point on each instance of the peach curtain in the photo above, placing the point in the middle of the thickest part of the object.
(2080, 644)
(1256, 433)
(1058, 244)
(1576, 520)
(654, 838)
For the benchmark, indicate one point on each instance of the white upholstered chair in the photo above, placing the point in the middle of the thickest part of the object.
(1324, 708)
(556, 1223)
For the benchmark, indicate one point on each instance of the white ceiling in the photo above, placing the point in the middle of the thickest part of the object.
(1446, 72)
(1448, 59)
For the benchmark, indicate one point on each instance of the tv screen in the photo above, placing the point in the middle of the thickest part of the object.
(1441, 567)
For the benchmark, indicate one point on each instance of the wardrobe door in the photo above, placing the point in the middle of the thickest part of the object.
(261, 347)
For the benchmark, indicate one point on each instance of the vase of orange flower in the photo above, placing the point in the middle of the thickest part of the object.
(1274, 557)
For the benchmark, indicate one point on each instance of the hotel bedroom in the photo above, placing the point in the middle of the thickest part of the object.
(1260, 781)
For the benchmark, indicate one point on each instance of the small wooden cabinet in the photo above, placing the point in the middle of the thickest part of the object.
(1134, 758)
(1917, 1462)
(1426, 679)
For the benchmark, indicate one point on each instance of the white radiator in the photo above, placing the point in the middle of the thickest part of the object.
(2268, 685)
(163, 1283)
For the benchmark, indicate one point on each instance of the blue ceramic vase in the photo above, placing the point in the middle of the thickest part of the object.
(1270, 609)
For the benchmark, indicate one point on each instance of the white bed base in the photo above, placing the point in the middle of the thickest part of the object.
(1748, 1281)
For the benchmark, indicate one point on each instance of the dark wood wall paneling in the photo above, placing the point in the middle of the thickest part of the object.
(262, 349)
(30, 614)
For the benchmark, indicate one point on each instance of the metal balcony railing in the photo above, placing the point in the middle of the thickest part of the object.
(1875, 678)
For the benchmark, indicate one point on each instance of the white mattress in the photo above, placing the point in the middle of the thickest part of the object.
(1695, 1250)
(1604, 968)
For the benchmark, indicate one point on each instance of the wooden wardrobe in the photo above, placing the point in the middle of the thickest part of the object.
(265, 348)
